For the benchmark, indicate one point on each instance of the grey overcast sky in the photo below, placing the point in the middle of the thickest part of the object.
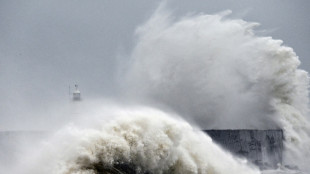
(46, 45)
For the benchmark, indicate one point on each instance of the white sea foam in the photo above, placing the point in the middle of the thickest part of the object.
(215, 73)
(218, 74)
(149, 139)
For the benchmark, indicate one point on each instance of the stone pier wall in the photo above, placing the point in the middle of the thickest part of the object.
(261, 147)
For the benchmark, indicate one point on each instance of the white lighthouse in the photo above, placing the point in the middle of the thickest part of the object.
(76, 94)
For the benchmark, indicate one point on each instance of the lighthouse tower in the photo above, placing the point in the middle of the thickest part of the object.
(76, 94)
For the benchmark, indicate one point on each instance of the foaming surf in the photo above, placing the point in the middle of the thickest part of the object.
(218, 74)
(212, 71)
(146, 139)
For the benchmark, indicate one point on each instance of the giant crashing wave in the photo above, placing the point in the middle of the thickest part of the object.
(218, 74)
(140, 140)
(213, 71)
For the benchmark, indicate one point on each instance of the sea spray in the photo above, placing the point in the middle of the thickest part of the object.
(211, 70)
(146, 138)
(218, 74)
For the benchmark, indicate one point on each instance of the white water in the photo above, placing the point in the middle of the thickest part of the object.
(148, 138)
(211, 70)
(218, 74)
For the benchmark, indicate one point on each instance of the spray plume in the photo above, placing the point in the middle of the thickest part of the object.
(211, 70)
(218, 74)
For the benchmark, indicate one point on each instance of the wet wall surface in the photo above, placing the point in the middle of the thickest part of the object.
(262, 147)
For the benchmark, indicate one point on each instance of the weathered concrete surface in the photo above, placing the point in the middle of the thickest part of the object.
(261, 147)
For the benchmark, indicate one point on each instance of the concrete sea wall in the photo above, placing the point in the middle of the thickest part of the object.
(262, 147)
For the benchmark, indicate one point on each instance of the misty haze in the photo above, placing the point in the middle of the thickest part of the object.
(147, 87)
